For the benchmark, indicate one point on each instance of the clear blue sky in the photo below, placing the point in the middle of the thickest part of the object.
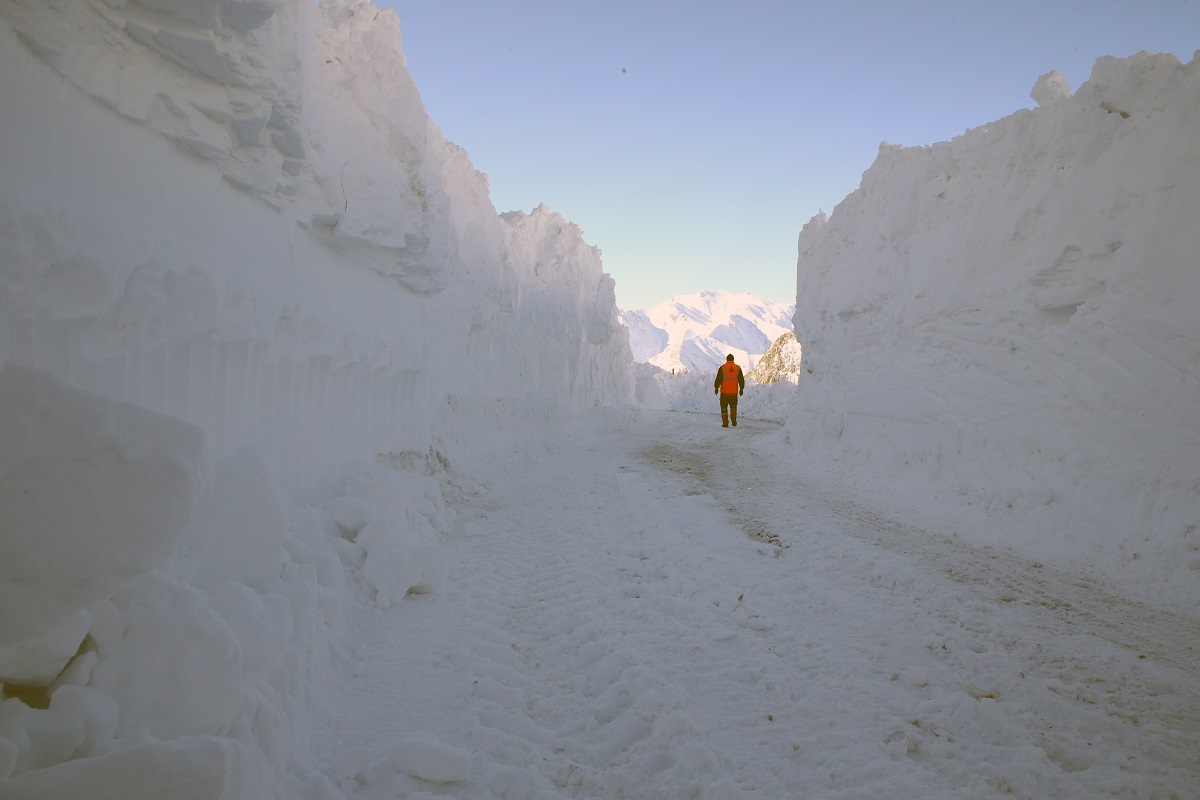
(691, 140)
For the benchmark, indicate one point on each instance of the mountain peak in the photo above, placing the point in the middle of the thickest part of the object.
(694, 332)
(780, 363)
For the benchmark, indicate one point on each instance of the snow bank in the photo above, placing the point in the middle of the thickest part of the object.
(238, 262)
(134, 652)
(1002, 328)
(134, 476)
(395, 516)
(281, 250)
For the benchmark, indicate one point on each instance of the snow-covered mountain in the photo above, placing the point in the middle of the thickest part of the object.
(781, 363)
(694, 332)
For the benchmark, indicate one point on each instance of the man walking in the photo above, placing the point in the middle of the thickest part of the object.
(729, 384)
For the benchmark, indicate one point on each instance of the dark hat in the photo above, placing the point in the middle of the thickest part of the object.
(729, 357)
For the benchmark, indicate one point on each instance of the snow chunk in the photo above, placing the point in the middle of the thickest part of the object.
(38, 661)
(402, 556)
(238, 533)
(175, 669)
(202, 768)
(78, 718)
(93, 493)
(1051, 88)
(422, 755)
(401, 541)
(351, 515)
(262, 624)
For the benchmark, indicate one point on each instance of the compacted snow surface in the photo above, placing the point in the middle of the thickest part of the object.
(656, 606)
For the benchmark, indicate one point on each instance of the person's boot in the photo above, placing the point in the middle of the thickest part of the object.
(733, 417)
(724, 419)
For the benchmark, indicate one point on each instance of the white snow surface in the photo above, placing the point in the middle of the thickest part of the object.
(695, 332)
(655, 606)
(319, 480)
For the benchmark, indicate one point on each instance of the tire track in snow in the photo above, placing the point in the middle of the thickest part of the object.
(1077, 602)
(697, 465)
(652, 652)
(1057, 602)
(616, 626)
(586, 618)
(1091, 646)
(1074, 602)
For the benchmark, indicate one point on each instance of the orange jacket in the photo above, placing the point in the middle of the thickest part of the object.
(729, 378)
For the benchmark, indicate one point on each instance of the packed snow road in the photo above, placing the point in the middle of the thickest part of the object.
(663, 608)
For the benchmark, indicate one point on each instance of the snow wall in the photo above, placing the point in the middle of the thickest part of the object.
(1002, 330)
(237, 258)
(240, 214)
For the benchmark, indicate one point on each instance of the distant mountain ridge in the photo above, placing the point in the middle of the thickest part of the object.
(694, 332)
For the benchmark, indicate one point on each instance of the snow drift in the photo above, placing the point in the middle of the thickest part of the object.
(238, 266)
(1005, 326)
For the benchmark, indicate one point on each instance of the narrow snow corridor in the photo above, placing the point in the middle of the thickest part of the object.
(662, 608)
